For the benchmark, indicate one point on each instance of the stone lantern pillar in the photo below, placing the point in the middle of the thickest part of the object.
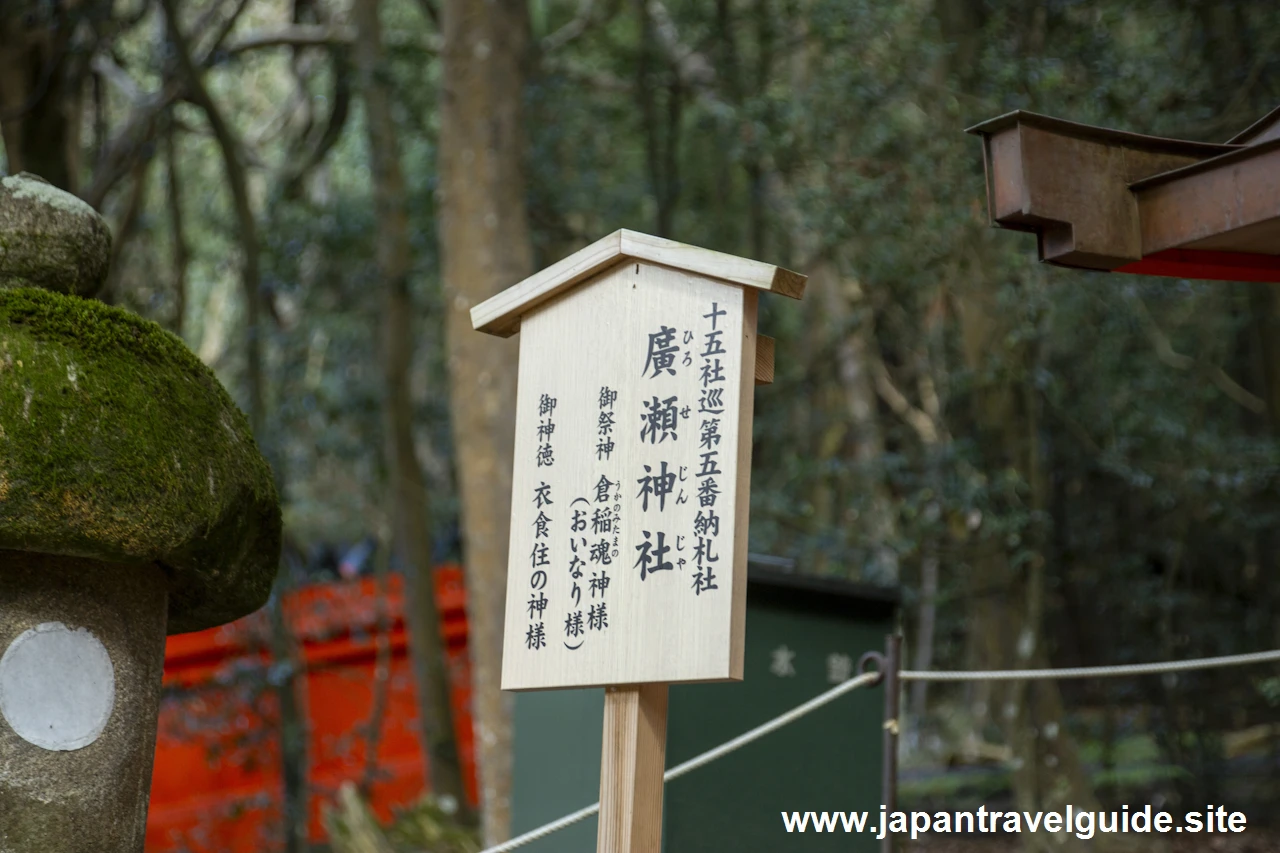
(134, 503)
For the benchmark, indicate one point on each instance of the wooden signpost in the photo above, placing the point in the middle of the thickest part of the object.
(630, 494)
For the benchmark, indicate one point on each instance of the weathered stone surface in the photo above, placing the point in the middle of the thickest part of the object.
(93, 798)
(49, 238)
(118, 444)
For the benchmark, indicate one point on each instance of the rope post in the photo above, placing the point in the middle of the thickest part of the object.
(888, 667)
(889, 770)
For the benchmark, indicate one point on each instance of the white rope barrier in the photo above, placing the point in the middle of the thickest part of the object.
(1095, 671)
(699, 760)
(773, 725)
(904, 675)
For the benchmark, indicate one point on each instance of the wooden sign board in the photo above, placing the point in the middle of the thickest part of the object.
(630, 491)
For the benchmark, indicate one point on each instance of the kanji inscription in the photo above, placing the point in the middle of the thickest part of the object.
(628, 522)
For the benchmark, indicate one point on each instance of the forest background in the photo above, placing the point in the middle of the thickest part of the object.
(1057, 467)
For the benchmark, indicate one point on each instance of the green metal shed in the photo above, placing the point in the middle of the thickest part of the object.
(804, 635)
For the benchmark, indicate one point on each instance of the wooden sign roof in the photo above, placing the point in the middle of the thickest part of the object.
(500, 315)
(631, 483)
(1111, 200)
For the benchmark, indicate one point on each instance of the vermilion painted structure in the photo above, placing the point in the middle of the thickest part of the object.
(217, 783)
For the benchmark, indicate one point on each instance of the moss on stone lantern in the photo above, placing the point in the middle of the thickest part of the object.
(134, 502)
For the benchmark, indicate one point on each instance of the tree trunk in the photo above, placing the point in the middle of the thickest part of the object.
(246, 225)
(855, 355)
(1007, 619)
(181, 250)
(926, 627)
(409, 498)
(124, 229)
(1007, 622)
(39, 92)
(485, 247)
(1264, 299)
(932, 365)
(294, 728)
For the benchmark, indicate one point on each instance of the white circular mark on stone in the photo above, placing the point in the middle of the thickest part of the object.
(57, 687)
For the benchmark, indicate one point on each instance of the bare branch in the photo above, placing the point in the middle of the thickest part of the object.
(917, 419)
(308, 160)
(224, 29)
(292, 35)
(181, 250)
(232, 158)
(1160, 341)
(125, 229)
(570, 31)
(599, 79)
(321, 35)
(276, 123)
(1073, 426)
(431, 11)
(1166, 353)
(115, 75)
(123, 151)
(1235, 391)
(695, 70)
(929, 400)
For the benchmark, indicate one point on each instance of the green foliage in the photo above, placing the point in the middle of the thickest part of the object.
(826, 136)
(958, 791)
(426, 826)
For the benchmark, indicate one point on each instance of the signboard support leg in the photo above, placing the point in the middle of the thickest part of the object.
(631, 767)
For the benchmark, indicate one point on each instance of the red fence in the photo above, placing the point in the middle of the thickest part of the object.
(218, 784)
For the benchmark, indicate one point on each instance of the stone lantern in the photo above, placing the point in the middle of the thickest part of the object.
(134, 503)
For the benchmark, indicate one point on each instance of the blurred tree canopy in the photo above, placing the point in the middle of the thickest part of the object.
(1084, 463)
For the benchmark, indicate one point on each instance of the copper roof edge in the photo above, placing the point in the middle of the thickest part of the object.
(1261, 125)
(1103, 134)
(1234, 155)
